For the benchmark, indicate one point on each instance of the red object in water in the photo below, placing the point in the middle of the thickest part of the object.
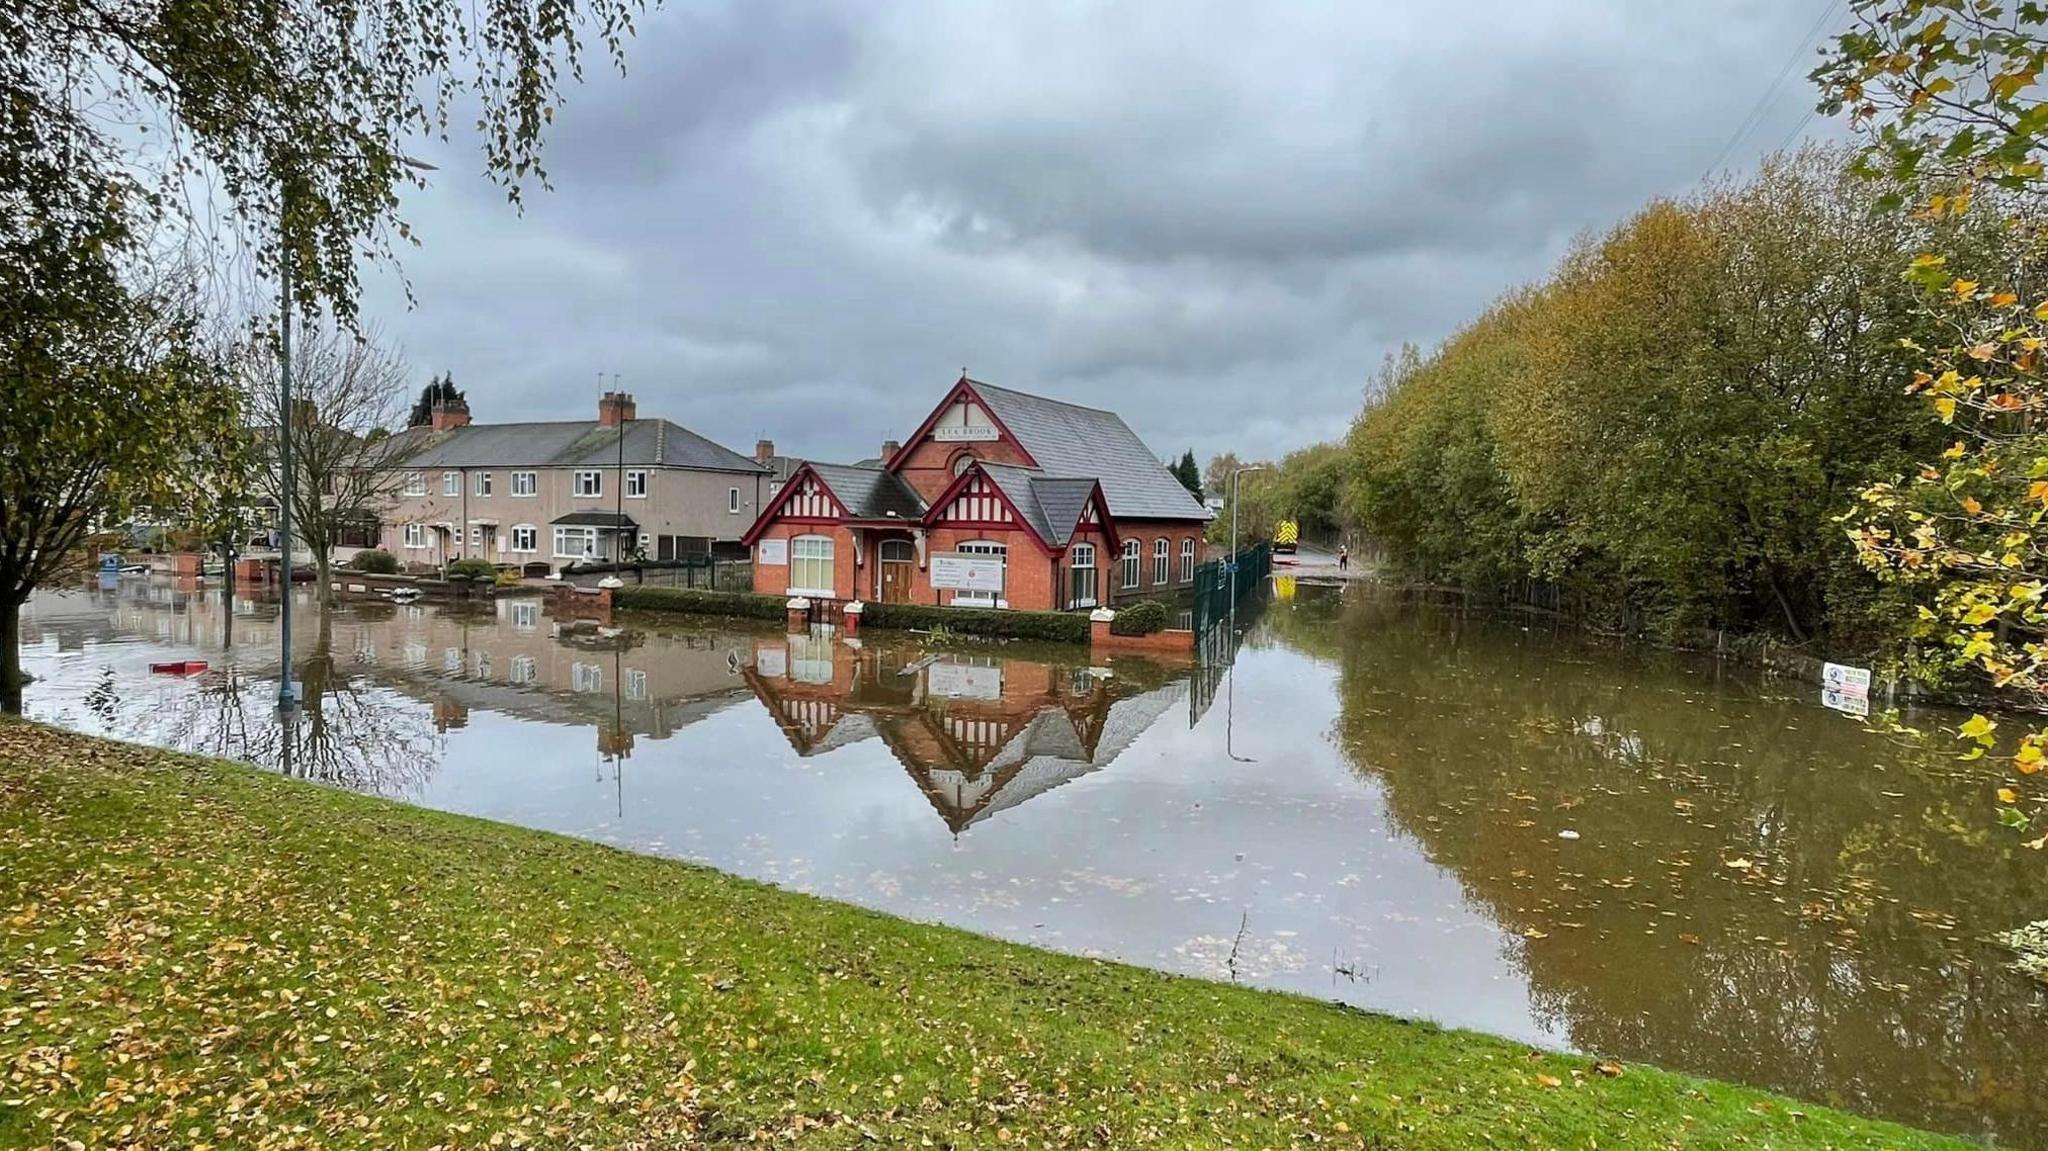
(179, 667)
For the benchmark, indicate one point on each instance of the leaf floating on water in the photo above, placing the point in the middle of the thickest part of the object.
(1567, 833)
(1532, 933)
(1739, 865)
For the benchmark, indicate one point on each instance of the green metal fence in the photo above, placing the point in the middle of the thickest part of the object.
(1213, 584)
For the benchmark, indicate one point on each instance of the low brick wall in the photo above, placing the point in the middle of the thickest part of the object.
(1169, 642)
(369, 586)
(568, 601)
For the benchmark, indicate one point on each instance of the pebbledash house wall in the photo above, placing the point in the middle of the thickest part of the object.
(679, 502)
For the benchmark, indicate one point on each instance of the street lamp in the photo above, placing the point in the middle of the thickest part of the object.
(1230, 685)
(287, 691)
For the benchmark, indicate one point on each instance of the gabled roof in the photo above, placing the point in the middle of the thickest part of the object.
(1068, 440)
(572, 443)
(870, 493)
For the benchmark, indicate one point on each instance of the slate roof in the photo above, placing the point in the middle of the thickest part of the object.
(1071, 440)
(595, 520)
(1052, 504)
(572, 443)
(870, 493)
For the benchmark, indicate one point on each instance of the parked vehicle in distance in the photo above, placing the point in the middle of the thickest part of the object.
(1286, 536)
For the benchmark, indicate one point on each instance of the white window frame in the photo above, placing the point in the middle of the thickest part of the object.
(1162, 562)
(532, 538)
(636, 684)
(525, 617)
(451, 483)
(732, 501)
(415, 484)
(525, 485)
(415, 536)
(585, 483)
(586, 535)
(1187, 560)
(483, 484)
(522, 671)
(1074, 566)
(805, 567)
(1128, 567)
(476, 535)
(636, 484)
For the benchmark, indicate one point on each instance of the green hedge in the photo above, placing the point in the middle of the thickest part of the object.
(474, 568)
(375, 562)
(697, 601)
(1141, 618)
(1047, 625)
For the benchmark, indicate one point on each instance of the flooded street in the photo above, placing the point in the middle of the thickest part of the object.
(1401, 807)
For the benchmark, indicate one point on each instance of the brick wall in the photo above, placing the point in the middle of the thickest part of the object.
(1146, 532)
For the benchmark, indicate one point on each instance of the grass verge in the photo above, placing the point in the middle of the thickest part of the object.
(197, 954)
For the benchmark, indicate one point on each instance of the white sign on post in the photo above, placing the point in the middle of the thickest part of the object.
(772, 553)
(1845, 679)
(967, 573)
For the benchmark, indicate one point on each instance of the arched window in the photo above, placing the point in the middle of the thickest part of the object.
(1130, 564)
(1160, 571)
(1081, 577)
(810, 566)
(962, 462)
(1187, 560)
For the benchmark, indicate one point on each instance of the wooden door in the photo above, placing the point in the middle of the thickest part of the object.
(898, 568)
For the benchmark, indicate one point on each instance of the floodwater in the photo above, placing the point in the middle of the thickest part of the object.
(1486, 823)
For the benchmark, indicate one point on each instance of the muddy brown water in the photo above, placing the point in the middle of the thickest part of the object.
(1488, 823)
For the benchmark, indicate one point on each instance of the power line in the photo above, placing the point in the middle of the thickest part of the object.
(1756, 113)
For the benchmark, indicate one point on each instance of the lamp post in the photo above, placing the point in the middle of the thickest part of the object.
(1230, 685)
(287, 691)
(1236, 486)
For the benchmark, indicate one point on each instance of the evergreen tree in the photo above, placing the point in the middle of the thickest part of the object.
(1189, 473)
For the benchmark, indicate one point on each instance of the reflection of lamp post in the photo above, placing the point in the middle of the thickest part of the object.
(1230, 688)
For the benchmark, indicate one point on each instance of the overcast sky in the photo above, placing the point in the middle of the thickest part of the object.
(801, 220)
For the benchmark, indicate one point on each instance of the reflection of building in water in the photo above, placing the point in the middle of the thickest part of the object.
(505, 657)
(979, 734)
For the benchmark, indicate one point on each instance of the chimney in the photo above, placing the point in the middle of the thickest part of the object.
(450, 414)
(764, 450)
(889, 450)
(615, 408)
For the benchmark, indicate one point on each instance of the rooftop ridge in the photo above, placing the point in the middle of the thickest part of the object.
(979, 385)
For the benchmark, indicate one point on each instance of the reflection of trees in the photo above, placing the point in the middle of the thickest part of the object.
(348, 732)
(1842, 965)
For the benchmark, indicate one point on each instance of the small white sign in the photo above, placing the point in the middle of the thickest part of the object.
(967, 573)
(772, 662)
(965, 681)
(1845, 679)
(772, 553)
(965, 433)
(1856, 703)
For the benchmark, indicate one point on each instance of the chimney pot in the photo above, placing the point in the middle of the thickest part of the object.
(764, 450)
(889, 450)
(450, 414)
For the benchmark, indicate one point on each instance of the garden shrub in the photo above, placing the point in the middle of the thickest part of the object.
(1141, 618)
(374, 562)
(474, 569)
(697, 601)
(1059, 627)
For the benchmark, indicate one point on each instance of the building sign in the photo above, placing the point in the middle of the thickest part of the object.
(964, 433)
(772, 553)
(964, 681)
(967, 573)
(1858, 705)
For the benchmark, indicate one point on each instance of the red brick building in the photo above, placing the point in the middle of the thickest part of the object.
(999, 499)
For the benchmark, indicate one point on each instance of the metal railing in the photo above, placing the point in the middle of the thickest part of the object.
(1214, 584)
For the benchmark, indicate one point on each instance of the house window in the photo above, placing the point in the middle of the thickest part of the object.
(575, 543)
(1159, 562)
(732, 500)
(525, 484)
(415, 483)
(962, 462)
(525, 538)
(586, 677)
(451, 483)
(636, 684)
(1187, 560)
(522, 669)
(415, 535)
(483, 483)
(483, 665)
(1130, 564)
(589, 483)
(636, 485)
(810, 566)
(525, 617)
(774, 486)
(476, 536)
(983, 598)
(1081, 579)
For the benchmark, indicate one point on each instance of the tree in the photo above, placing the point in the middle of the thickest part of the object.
(348, 393)
(115, 405)
(440, 390)
(1189, 473)
(297, 110)
(1948, 95)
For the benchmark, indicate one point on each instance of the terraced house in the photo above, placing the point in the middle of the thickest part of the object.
(999, 499)
(541, 496)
